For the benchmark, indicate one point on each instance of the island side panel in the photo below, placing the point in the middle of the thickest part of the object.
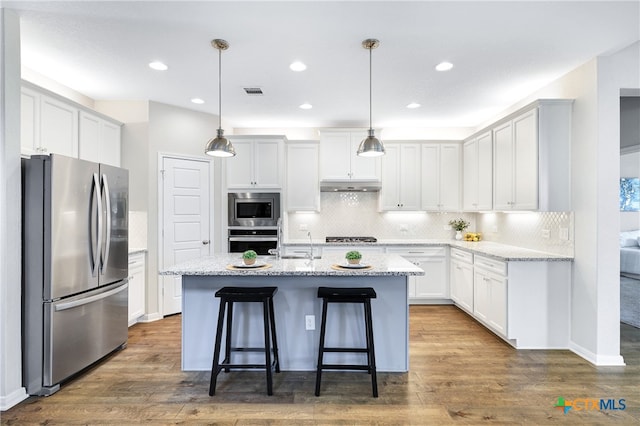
(297, 297)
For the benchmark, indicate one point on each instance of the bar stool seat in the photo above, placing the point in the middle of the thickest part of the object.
(228, 296)
(348, 295)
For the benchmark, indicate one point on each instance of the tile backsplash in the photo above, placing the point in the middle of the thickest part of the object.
(356, 214)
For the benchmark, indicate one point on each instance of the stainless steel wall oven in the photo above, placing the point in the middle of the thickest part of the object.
(260, 240)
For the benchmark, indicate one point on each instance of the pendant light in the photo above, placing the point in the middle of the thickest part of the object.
(370, 146)
(220, 146)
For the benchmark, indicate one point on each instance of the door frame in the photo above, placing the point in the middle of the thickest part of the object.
(161, 156)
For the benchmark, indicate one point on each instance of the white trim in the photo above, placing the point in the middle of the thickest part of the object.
(160, 246)
(595, 359)
(15, 397)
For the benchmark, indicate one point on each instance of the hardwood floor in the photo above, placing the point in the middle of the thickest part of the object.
(459, 374)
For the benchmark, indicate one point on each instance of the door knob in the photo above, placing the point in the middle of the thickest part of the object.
(205, 242)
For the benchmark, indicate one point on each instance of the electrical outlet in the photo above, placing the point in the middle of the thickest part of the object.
(309, 322)
(303, 227)
(447, 228)
(404, 227)
(564, 233)
(494, 228)
(546, 233)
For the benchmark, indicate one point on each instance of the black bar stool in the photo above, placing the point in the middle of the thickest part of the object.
(228, 296)
(348, 295)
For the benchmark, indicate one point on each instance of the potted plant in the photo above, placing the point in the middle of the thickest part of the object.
(459, 225)
(249, 257)
(353, 257)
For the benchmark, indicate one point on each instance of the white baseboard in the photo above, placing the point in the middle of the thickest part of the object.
(151, 317)
(595, 359)
(15, 397)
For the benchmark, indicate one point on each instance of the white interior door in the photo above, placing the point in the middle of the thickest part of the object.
(185, 221)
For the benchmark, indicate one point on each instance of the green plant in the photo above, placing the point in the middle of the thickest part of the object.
(353, 255)
(249, 254)
(459, 224)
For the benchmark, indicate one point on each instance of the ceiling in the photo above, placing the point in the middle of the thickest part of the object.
(501, 51)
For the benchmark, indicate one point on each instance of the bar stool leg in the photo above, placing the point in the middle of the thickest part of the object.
(276, 356)
(215, 369)
(267, 347)
(371, 355)
(227, 349)
(323, 327)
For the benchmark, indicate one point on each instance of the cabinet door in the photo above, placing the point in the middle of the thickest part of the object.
(503, 167)
(302, 191)
(89, 141)
(485, 172)
(470, 175)
(525, 170)
(433, 284)
(497, 313)
(335, 156)
(29, 122)
(137, 285)
(449, 167)
(266, 160)
(409, 176)
(58, 127)
(462, 284)
(481, 291)
(240, 167)
(391, 170)
(362, 168)
(430, 180)
(110, 143)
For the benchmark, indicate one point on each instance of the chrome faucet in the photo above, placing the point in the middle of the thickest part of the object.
(278, 250)
(310, 246)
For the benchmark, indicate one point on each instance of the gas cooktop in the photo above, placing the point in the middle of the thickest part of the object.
(351, 239)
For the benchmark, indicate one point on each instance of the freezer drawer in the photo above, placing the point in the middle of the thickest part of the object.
(82, 329)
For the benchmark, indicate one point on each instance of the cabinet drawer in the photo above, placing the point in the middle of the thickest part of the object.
(491, 265)
(418, 251)
(462, 255)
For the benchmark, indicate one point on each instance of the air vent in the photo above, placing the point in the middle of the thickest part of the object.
(256, 91)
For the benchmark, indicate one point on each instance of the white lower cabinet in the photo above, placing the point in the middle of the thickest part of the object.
(433, 286)
(490, 294)
(137, 284)
(461, 279)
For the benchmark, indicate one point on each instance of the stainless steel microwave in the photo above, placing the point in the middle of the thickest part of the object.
(254, 208)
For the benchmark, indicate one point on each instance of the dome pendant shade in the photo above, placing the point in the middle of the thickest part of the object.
(219, 146)
(370, 146)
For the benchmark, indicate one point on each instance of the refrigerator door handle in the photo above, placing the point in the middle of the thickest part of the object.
(96, 252)
(107, 236)
(87, 300)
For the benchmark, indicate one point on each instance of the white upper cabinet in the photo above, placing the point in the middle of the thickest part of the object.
(48, 125)
(99, 139)
(400, 177)
(257, 164)
(477, 172)
(339, 159)
(303, 187)
(441, 177)
(531, 158)
(52, 125)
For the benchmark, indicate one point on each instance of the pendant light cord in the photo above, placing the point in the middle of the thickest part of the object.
(370, 90)
(219, 88)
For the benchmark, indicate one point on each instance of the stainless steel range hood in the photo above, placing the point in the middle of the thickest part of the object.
(349, 186)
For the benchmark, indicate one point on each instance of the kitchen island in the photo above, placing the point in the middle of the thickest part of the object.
(297, 281)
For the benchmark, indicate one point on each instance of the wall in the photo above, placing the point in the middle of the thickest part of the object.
(408, 133)
(11, 390)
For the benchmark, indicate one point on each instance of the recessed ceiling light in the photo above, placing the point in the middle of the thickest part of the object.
(444, 66)
(297, 66)
(158, 66)
(197, 101)
(413, 105)
(306, 106)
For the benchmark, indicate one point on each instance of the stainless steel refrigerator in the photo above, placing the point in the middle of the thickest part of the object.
(75, 267)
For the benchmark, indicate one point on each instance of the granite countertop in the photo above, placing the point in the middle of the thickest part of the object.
(382, 265)
(136, 250)
(487, 248)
